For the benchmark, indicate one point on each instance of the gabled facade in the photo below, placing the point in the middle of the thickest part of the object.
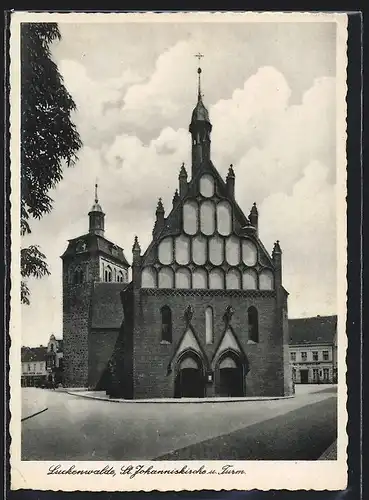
(206, 312)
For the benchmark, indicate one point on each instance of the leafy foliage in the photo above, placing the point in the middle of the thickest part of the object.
(49, 140)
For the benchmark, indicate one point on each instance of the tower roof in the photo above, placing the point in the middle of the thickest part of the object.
(96, 207)
(200, 113)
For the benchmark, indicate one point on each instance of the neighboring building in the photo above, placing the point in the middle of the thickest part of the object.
(42, 365)
(205, 313)
(313, 349)
(54, 360)
(34, 371)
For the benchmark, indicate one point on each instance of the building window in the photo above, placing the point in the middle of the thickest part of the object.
(304, 356)
(325, 355)
(326, 374)
(120, 277)
(293, 356)
(108, 274)
(252, 314)
(315, 356)
(209, 320)
(166, 277)
(224, 218)
(266, 280)
(166, 324)
(190, 214)
(183, 278)
(315, 375)
(207, 217)
(207, 185)
(233, 280)
(216, 279)
(29, 367)
(34, 367)
(52, 347)
(78, 276)
(148, 278)
(294, 374)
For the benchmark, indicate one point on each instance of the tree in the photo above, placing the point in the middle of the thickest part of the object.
(49, 139)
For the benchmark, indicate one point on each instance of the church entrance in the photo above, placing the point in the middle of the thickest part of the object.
(230, 378)
(189, 381)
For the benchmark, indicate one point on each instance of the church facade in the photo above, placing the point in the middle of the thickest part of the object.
(205, 313)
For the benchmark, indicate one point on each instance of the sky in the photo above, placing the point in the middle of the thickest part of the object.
(270, 91)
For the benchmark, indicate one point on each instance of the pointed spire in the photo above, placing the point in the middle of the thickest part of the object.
(254, 217)
(183, 172)
(277, 248)
(96, 197)
(230, 181)
(175, 198)
(160, 207)
(136, 246)
(199, 95)
(231, 171)
(182, 181)
(254, 210)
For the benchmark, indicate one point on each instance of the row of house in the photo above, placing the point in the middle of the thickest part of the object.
(42, 366)
(312, 351)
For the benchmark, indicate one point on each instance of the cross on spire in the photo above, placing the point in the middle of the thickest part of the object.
(199, 56)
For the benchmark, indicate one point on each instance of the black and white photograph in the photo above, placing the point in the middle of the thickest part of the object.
(178, 251)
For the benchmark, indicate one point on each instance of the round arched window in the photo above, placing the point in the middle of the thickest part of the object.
(249, 252)
(207, 185)
(165, 251)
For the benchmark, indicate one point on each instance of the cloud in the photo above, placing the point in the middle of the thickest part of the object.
(98, 101)
(305, 223)
(269, 141)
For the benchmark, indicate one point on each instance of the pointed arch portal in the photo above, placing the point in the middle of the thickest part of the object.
(229, 376)
(189, 377)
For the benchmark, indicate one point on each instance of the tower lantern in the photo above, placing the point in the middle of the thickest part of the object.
(97, 217)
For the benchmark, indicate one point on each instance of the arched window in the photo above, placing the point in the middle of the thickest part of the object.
(183, 278)
(166, 324)
(253, 321)
(233, 280)
(209, 328)
(148, 278)
(78, 276)
(199, 279)
(166, 277)
(266, 280)
(108, 274)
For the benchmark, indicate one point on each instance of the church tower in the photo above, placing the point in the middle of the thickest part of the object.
(91, 264)
(200, 130)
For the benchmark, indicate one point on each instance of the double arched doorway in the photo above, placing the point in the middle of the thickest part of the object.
(189, 377)
(230, 376)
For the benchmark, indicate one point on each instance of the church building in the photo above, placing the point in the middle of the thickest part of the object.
(205, 313)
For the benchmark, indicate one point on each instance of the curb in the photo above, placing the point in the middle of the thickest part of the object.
(34, 414)
(177, 401)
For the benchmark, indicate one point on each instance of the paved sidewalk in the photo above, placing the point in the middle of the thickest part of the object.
(102, 396)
